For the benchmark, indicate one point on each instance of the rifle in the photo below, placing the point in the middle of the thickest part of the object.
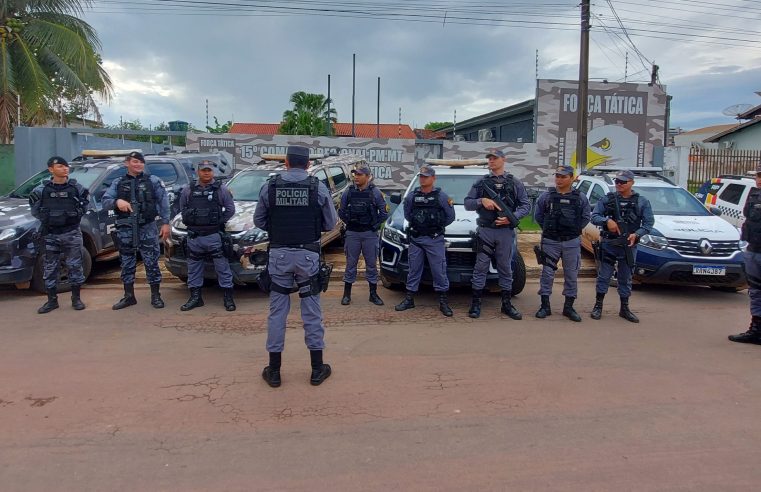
(133, 221)
(623, 240)
(505, 210)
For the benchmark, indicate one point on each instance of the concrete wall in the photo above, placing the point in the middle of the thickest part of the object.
(676, 164)
(7, 174)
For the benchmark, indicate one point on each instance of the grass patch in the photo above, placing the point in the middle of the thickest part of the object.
(528, 224)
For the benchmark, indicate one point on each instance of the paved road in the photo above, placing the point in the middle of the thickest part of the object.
(164, 400)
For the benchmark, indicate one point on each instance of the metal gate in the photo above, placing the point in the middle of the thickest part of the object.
(710, 163)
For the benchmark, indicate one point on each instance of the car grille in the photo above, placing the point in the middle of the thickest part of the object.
(691, 247)
(688, 277)
(460, 259)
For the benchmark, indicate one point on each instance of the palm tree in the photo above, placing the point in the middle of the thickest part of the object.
(47, 54)
(309, 115)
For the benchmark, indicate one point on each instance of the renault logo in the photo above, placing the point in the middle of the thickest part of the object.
(706, 247)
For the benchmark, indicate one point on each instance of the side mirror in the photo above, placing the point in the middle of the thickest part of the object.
(716, 211)
(396, 198)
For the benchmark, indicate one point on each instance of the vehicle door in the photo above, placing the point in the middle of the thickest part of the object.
(340, 180)
(730, 202)
(168, 173)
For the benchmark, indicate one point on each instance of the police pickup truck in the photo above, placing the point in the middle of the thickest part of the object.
(21, 249)
(250, 242)
(455, 179)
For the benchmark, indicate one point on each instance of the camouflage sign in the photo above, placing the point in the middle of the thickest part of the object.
(625, 122)
(392, 161)
(523, 160)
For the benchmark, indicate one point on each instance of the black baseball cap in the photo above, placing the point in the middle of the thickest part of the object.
(135, 155)
(57, 160)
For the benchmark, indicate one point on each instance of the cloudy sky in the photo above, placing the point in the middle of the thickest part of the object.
(166, 57)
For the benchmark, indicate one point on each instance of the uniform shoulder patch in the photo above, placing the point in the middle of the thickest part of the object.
(450, 202)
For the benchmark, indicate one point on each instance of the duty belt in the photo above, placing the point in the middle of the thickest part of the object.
(194, 234)
(313, 247)
(490, 224)
(559, 238)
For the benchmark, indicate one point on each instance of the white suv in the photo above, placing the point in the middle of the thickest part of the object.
(728, 193)
(689, 245)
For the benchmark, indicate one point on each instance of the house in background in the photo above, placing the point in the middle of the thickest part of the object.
(698, 136)
(745, 136)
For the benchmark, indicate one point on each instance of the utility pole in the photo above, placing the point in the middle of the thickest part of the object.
(377, 121)
(654, 74)
(207, 114)
(454, 125)
(327, 115)
(353, 87)
(583, 106)
(536, 69)
(626, 68)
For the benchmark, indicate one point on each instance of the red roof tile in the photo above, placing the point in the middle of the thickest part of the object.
(361, 130)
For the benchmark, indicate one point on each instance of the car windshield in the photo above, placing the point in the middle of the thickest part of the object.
(246, 186)
(672, 201)
(457, 187)
(85, 176)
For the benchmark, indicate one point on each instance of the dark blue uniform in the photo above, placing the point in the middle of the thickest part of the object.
(363, 210)
(751, 232)
(295, 208)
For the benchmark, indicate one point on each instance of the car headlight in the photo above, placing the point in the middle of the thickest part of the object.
(394, 236)
(252, 237)
(654, 242)
(6, 234)
(743, 245)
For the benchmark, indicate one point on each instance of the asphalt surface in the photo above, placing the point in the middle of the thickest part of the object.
(147, 399)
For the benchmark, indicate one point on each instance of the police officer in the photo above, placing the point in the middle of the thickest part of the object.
(624, 216)
(295, 209)
(562, 213)
(59, 204)
(751, 232)
(206, 206)
(428, 212)
(138, 198)
(363, 209)
(495, 234)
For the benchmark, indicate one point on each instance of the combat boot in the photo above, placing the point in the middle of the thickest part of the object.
(444, 305)
(228, 299)
(76, 301)
(156, 300)
(568, 310)
(52, 302)
(346, 299)
(507, 306)
(194, 301)
(597, 308)
(272, 376)
(475, 304)
(128, 299)
(320, 370)
(625, 313)
(407, 303)
(374, 297)
(544, 308)
(753, 335)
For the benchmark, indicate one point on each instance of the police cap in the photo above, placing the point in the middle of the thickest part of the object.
(57, 160)
(135, 155)
(564, 171)
(625, 175)
(426, 170)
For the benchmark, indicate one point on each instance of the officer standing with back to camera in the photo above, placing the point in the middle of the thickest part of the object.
(562, 213)
(295, 209)
(428, 212)
(137, 199)
(624, 217)
(206, 206)
(59, 204)
(751, 233)
(363, 209)
(496, 233)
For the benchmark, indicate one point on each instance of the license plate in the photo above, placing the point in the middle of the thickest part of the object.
(709, 270)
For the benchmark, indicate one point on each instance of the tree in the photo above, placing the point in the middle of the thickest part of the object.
(436, 125)
(309, 115)
(217, 128)
(47, 54)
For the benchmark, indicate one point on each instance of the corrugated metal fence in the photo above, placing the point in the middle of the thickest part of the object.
(710, 163)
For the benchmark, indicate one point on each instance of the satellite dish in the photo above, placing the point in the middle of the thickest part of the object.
(736, 110)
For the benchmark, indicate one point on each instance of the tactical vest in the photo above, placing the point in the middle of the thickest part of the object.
(427, 217)
(61, 206)
(144, 195)
(295, 217)
(361, 210)
(629, 219)
(203, 214)
(752, 225)
(562, 220)
(504, 187)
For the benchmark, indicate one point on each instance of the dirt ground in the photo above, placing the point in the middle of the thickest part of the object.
(147, 399)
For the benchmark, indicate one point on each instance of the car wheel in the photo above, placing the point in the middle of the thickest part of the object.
(38, 282)
(519, 274)
(391, 285)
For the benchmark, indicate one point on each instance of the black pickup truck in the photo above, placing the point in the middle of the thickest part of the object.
(20, 242)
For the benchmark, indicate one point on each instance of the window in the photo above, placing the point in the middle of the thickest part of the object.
(25, 189)
(584, 187)
(323, 178)
(165, 171)
(116, 173)
(672, 201)
(339, 177)
(247, 185)
(597, 193)
(732, 193)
